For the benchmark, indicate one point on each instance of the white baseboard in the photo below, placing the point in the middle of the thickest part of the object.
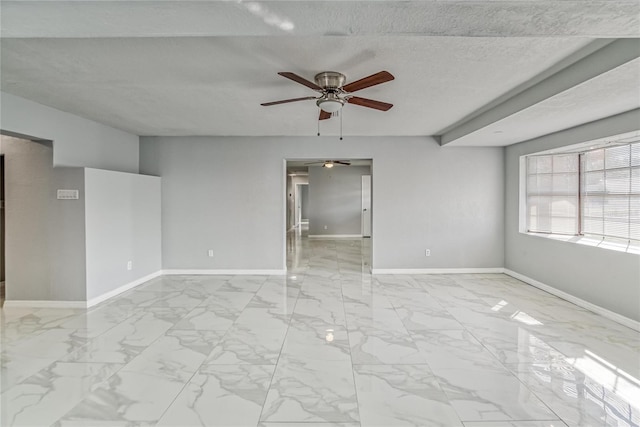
(121, 289)
(224, 272)
(633, 324)
(335, 236)
(44, 304)
(437, 270)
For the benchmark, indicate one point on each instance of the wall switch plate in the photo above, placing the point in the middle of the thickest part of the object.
(427, 252)
(68, 195)
(210, 253)
(325, 227)
(130, 265)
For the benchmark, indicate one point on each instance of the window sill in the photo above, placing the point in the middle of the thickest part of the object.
(608, 244)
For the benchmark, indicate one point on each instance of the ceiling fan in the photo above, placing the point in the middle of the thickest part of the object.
(334, 93)
(330, 163)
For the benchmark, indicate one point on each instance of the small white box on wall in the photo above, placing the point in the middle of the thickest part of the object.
(68, 195)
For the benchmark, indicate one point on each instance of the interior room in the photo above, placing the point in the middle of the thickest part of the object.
(320, 213)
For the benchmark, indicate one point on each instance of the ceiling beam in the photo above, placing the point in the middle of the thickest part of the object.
(601, 61)
(603, 129)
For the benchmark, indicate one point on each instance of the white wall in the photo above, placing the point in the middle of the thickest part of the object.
(44, 236)
(335, 200)
(603, 277)
(292, 182)
(304, 202)
(123, 223)
(77, 141)
(228, 194)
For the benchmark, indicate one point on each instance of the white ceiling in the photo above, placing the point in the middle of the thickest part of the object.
(203, 68)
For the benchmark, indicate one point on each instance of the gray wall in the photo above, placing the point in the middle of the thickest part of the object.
(304, 201)
(77, 141)
(335, 199)
(603, 277)
(123, 223)
(228, 194)
(44, 236)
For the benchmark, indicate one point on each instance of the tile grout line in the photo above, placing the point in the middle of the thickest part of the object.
(275, 366)
(353, 371)
(504, 366)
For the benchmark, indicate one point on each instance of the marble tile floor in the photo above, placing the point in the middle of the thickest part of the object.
(326, 345)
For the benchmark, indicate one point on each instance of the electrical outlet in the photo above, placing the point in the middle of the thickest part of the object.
(427, 252)
(325, 227)
(130, 265)
(210, 253)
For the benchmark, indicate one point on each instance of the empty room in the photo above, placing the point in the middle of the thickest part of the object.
(320, 213)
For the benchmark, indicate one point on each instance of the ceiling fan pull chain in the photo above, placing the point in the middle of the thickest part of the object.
(318, 127)
(340, 113)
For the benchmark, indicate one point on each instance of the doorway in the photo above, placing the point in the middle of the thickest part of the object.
(329, 200)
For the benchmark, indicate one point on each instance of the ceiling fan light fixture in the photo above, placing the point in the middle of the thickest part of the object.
(330, 105)
(328, 165)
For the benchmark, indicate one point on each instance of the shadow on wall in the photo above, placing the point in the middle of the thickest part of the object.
(44, 236)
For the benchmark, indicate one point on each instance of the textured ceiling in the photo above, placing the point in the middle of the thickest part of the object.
(214, 85)
(203, 68)
(467, 18)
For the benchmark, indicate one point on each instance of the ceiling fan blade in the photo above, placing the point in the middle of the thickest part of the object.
(372, 80)
(296, 78)
(284, 101)
(314, 163)
(324, 115)
(369, 103)
(342, 163)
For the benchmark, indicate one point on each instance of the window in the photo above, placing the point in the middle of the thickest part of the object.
(589, 193)
(552, 194)
(610, 192)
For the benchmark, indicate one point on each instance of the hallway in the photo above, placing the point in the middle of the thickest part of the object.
(326, 345)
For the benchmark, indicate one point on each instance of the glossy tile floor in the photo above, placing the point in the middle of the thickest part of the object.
(327, 345)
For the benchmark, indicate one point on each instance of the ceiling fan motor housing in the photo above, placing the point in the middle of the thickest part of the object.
(329, 80)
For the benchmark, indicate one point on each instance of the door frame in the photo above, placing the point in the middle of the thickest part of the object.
(366, 206)
(285, 200)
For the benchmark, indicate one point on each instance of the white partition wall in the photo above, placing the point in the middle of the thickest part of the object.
(122, 231)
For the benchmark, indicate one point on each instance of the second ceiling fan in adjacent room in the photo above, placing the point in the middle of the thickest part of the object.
(330, 163)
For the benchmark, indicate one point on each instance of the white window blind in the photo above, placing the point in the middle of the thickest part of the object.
(610, 192)
(552, 193)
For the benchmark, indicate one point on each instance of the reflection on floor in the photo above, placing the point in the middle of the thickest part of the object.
(327, 345)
